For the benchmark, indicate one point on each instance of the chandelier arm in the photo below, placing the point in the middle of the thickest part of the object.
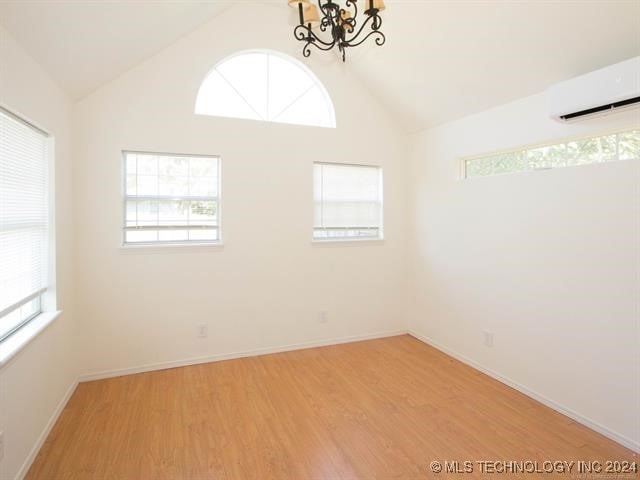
(362, 27)
(300, 32)
(354, 4)
(304, 33)
(306, 51)
(329, 47)
(380, 39)
(377, 24)
(333, 20)
(323, 24)
(327, 12)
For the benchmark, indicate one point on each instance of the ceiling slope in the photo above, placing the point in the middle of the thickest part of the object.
(85, 44)
(443, 59)
(446, 60)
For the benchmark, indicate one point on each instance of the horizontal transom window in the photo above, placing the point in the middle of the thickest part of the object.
(604, 148)
(171, 198)
(348, 202)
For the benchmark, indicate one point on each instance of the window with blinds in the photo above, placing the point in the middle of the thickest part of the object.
(348, 202)
(171, 199)
(24, 214)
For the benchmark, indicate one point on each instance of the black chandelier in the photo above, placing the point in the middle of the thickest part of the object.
(340, 23)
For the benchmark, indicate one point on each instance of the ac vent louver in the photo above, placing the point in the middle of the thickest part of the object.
(603, 108)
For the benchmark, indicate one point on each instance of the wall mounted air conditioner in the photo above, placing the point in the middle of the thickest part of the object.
(597, 93)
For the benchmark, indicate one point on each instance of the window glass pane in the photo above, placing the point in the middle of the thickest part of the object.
(604, 148)
(173, 235)
(173, 166)
(131, 186)
(203, 187)
(173, 185)
(309, 109)
(348, 201)
(144, 236)
(202, 167)
(204, 212)
(131, 163)
(147, 185)
(14, 319)
(248, 75)
(147, 165)
(629, 145)
(265, 86)
(287, 82)
(203, 234)
(173, 212)
(185, 195)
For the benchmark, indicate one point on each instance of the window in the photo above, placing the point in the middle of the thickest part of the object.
(348, 202)
(24, 217)
(171, 199)
(267, 86)
(604, 148)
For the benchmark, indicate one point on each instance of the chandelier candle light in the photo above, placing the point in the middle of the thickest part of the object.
(341, 23)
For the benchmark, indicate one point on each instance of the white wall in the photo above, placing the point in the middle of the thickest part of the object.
(34, 382)
(264, 289)
(548, 261)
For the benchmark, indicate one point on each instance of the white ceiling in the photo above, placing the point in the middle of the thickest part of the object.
(84, 44)
(447, 59)
(443, 59)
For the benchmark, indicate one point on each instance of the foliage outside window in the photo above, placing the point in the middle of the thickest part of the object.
(604, 148)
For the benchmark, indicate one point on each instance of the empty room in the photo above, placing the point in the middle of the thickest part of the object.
(319, 239)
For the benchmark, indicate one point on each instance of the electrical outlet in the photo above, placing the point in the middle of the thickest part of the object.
(488, 338)
(323, 316)
(202, 330)
(1, 445)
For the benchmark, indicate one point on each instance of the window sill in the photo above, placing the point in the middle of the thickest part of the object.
(150, 249)
(347, 242)
(11, 346)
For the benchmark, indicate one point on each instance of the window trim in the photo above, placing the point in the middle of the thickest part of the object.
(19, 339)
(22, 334)
(333, 124)
(336, 241)
(462, 161)
(167, 245)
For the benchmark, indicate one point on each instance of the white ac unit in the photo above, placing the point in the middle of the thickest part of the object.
(596, 93)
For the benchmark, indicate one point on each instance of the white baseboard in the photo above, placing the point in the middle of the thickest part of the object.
(45, 433)
(233, 355)
(616, 437)
(627, 442)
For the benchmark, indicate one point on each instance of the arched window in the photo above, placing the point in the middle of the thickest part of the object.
(267, 86)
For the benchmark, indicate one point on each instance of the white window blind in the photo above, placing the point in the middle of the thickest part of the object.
(171, 198)
(23, 221)
(348, 201)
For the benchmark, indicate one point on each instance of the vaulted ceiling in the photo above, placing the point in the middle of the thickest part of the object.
(84, 44)
(443, 59)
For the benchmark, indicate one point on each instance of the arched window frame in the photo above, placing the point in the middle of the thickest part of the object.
(328, 103)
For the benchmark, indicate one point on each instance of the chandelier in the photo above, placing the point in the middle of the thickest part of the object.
(339, 26)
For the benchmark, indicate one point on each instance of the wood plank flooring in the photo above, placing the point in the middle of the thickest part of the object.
(380, 409)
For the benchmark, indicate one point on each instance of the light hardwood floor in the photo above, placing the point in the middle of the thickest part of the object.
(380, 409)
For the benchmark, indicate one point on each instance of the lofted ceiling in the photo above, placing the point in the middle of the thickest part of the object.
(443, 59)
(84, 44)
(447, 59)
